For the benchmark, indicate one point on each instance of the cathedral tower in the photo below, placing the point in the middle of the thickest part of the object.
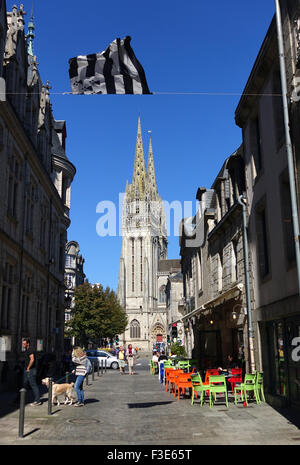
(144, 244)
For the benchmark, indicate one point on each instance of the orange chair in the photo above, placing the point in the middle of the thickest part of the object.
(172, 377)
(233, 380)
(183, 382)
(167, 373)
(210, 372)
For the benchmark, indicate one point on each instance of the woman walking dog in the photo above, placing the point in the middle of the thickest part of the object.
(79, 357)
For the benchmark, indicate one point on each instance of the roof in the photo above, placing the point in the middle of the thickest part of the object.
(169, 265)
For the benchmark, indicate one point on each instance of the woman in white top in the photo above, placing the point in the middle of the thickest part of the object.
(79, 358)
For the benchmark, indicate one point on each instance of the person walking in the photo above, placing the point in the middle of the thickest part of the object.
(131, 359)
(30, 372)
(79, 357)
(122, 358)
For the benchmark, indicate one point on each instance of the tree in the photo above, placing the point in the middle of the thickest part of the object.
(97, 314)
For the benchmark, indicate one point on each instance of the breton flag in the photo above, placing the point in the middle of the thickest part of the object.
(114, 71)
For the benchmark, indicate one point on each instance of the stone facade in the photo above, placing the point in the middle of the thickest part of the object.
(35, 179)
(144, 245)
(211, 247)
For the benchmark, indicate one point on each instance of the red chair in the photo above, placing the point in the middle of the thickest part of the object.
(237, 378)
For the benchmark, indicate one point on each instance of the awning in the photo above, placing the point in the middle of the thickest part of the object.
(228, 295)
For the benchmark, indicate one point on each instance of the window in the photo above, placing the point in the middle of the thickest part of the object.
(287, 223)
(262, 242)
(31, 198)
(132, 265)
(162, 294)
(199, 269)
(234, 263)
(278, 109)
(6, 300)
(43, 226)
(13, 187)
(141, 263)
(256, 147)
(135, 330)
(39, 310)
(220, 271)
(70, 261)
(69, 281)
(27, 289)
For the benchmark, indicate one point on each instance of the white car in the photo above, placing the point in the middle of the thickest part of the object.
(98, 356)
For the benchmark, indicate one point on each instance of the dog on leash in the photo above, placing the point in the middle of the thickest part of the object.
(59, 389)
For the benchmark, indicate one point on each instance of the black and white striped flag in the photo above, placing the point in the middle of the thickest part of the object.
(114, 71)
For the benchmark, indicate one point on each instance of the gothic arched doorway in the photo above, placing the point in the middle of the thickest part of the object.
(158, 333)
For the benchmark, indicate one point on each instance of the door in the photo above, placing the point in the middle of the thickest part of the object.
(210, 349)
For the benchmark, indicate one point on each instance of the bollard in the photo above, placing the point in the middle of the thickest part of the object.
(67, 377)
(50, 397)
(93, 371)
(101, 367)
(105, 365)
(98, 369)
(22, 412)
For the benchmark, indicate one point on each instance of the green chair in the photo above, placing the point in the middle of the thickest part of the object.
(260, 386)
(249, 385)
(183, 364)
(197, 386)
(168, 363)
(217, 384)
(152, 367)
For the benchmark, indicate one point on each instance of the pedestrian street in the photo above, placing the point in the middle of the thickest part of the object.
(137, 410)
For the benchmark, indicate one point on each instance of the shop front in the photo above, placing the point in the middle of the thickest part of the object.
(281, 361)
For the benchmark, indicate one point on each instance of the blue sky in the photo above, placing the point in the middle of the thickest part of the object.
(184, 47)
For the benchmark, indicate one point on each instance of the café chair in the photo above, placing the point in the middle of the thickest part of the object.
(249, 385)
(260, 386)
(182, 382)
(217, 384)
(235, 378)
(197, 386)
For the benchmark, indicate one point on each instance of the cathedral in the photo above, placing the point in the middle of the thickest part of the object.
(144, 267)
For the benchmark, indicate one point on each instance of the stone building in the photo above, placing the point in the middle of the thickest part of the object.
(276, 314)
(144, 247)
(35, 179)
(174, 300)
(74, 274)
(211, 247)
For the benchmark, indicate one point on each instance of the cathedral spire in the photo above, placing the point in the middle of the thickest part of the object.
(151, 171)
(30, 36)
(139, 170)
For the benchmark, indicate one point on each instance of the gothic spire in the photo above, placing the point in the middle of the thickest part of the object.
(30, 36)
(151, 172)
(139, 171)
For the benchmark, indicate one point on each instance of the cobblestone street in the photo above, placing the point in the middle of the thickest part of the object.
(136, 410)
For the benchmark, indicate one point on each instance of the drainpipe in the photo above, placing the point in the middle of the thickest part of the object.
(243, 201)
(288, 142)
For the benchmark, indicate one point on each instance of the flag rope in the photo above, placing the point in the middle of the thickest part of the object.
(233, 94)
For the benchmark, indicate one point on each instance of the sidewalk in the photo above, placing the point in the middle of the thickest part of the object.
(136, 410)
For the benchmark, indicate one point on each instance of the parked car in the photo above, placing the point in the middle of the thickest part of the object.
(97, 356)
